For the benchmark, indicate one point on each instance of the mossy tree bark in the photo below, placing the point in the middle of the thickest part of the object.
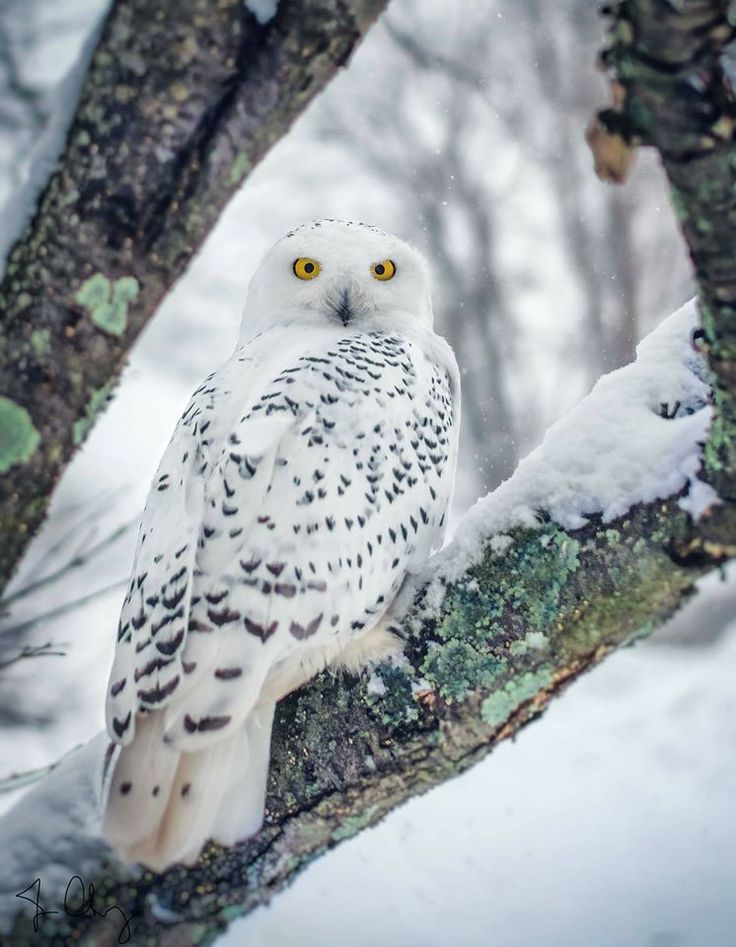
(673, 72)
(182, 99)
(517, 628)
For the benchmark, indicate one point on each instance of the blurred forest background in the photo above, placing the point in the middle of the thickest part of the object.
(460, 127)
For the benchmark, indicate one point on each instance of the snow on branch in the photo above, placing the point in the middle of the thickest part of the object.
(637, 437)
(670, 68)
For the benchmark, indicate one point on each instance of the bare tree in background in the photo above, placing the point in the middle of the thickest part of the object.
(618, 276)
(413, 131)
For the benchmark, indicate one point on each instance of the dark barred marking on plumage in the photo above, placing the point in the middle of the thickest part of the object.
(158, 693)
(214, 598)
(260, 631)
(300, 632)
(117, 687)
(120, 726)
(206, 724)
(224, 617)
(167, 620)
(287, 589)
(172, 645)
(155, 665)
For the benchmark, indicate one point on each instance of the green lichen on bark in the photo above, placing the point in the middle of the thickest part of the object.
(18, 437)
(41, 342)
(240, 168)
(487, 623)
(502, 703)
(107, 303)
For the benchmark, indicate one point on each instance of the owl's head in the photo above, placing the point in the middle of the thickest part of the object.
(332, 272)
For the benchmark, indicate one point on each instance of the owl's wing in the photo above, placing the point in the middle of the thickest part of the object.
(188, 500)
(223, 665)
(199, 628)
(153, 621)
(443, 398)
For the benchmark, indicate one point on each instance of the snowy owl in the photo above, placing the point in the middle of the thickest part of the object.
(306, 478)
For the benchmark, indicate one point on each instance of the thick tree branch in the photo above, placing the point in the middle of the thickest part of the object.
(673, 70)
(541, 604)
(509, 637)
(181, 101)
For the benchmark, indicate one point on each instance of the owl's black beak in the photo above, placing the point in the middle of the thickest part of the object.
(343, 306)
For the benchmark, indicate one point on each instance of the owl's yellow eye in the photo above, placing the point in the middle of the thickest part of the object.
(384, 270)
(306, 268)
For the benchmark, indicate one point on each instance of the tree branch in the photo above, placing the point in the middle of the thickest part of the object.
(672, 73)
(181, 101)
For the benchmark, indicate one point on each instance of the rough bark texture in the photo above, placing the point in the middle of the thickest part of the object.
(518, 627)
(181, 101)
(674, 71)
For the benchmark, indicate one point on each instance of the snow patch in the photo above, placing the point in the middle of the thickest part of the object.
(699, 499)
(375, 685)
(500, 543)
(53, 833)
(635, 438)
(262, 10)
(22, 205)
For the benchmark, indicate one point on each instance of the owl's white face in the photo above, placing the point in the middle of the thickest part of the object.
(341, 274)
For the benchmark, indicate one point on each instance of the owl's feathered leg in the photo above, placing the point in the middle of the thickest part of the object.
(364, 651)
(380, 643)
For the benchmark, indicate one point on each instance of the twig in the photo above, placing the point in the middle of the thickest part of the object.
(78, 559)
(33, 651)
(28, 777)
(64, 609)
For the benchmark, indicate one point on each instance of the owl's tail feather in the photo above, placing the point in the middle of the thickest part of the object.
(217, 792)
(240, 814)
(139, 785)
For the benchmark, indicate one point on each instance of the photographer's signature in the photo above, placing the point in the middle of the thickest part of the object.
(79, 901)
